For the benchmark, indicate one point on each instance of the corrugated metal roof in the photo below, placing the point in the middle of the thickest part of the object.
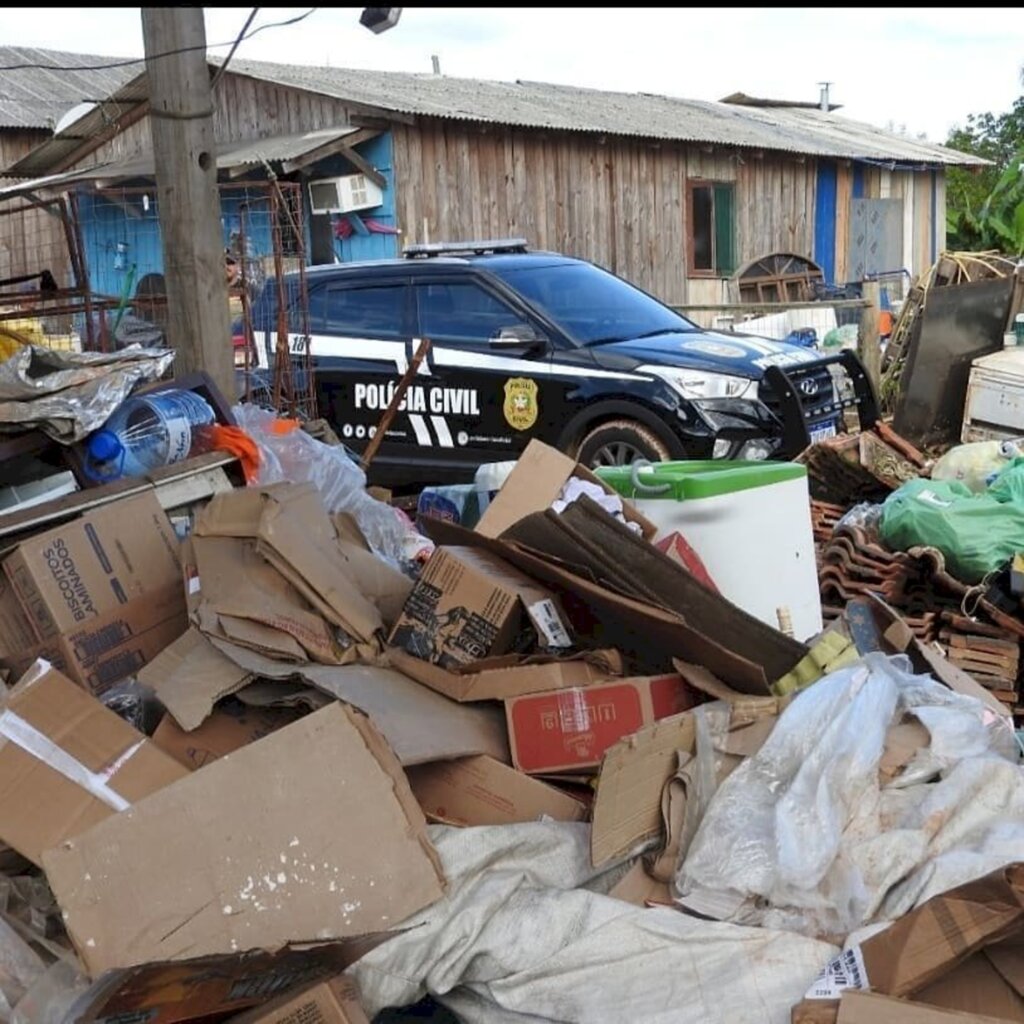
(243, 154)
(557, 107)
(39, 97)
(641, 115)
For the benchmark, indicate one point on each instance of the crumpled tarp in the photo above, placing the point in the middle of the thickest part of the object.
(518, 938)
(803, 836)
(68, 395)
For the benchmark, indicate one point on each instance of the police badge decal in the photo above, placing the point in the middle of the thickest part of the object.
(521, 406)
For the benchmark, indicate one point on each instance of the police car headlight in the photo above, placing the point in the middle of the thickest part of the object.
(697, 384)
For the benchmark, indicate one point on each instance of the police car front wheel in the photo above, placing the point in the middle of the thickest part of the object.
(620, 443)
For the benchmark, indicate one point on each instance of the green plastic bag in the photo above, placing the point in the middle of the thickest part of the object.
(977, 533)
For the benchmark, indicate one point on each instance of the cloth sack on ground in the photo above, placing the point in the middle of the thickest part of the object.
(522, 936)
(804, 836)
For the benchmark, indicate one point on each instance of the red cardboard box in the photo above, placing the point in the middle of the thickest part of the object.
(565, 730)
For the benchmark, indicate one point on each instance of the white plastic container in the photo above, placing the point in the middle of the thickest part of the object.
(489, 479)
(750, 523)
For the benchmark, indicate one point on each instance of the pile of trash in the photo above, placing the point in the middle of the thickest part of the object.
(274, 755)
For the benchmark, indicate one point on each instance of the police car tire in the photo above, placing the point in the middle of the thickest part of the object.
(651, 447)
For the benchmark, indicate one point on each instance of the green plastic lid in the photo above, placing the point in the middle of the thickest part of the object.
(699, 479)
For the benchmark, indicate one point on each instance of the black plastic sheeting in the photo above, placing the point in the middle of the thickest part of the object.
(959, 323)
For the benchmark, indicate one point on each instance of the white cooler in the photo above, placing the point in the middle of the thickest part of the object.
(750, 522)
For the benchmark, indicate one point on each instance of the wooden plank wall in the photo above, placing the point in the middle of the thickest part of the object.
(244, 109)
(32, 240)
(617, 202)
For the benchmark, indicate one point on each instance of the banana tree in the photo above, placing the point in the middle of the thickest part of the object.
(999, 222)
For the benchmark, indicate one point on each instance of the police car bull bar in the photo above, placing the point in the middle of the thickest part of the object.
(785, 387)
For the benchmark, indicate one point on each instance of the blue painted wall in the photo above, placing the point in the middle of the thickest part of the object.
(115, 238)
(858, 181)
(825, 220)
(372, 246)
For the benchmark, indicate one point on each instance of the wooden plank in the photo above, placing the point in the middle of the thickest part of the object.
(428, 226)
(469, 173)
(844, 197)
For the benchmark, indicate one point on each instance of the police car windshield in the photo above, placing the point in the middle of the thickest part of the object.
(591, 305)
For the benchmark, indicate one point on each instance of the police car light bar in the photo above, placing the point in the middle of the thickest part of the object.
(476, 248)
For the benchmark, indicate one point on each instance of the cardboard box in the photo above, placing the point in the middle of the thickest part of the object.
(210, 989)
(510, 676)
(571, 729)
(962, 950)
(537, 481)
(326, 1002)
(468, 605)
(482, 791)
(96, 564)
(67, 762)
(232, 725)
(312, 834)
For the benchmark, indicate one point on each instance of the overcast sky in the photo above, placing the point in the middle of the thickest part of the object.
(922, 68)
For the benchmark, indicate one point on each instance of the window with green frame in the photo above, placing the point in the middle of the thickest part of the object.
(711, 228)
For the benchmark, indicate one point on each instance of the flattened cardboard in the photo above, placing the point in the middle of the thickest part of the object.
(190, 676)
(637, 887)
(651, 635)
(628, 805)
(482, 791)
(234, 580)
(232, 726)
(566, 730)
(310, 834)
(536, 482)
(95, 564)
(871, 1008)
(500, 678)
(211, 988)
(419, 724)
(335, 1001)
(468, 605)
(39, 805)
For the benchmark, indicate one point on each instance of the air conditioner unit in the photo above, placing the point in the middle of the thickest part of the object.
(343, 195)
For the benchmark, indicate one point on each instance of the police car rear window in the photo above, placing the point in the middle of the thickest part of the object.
(590, 304)
(377, 311)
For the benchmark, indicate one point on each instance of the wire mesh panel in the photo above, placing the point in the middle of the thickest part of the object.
(43, 284)
(264, 264)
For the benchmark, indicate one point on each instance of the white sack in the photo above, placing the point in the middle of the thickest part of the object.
(518, 940)
(803, 833)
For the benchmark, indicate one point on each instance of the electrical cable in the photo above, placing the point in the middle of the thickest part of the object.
(156, 56)
(227, 60)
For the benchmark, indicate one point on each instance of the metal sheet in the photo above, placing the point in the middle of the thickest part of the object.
(959, 323)
(876, 237)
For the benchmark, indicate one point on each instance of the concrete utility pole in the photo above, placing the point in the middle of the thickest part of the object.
(181, 121)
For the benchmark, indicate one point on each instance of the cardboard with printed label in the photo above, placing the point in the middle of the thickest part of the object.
(468, 605)
(566, 730)
(511, 675)
(109, 647)
(335, 1001)
(536, 482)
(482, 791)
(962, 950)
(101, 562)
(67, 762)
(232, 725)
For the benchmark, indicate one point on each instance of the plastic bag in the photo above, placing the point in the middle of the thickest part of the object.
(805, 836)
(288, 453)
(136, 704)
(975, 465)
(976, 533)
(867, 516)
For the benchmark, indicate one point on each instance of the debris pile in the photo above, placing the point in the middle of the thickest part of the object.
(270, 754)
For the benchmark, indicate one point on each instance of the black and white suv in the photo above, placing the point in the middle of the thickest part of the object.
(534, 344)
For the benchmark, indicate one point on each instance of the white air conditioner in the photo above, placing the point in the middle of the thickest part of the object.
(343, 195)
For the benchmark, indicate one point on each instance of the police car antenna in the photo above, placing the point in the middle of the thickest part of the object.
(475, 248)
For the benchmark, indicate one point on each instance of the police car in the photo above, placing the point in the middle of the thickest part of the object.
(531, 344)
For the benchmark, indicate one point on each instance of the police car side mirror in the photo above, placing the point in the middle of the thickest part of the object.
(522, 336)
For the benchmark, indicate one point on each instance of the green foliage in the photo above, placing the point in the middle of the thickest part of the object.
(985, 206)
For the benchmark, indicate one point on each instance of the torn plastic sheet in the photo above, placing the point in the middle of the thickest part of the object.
(68, 395)
(804, 836)
(296, 457)
(521, 937)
